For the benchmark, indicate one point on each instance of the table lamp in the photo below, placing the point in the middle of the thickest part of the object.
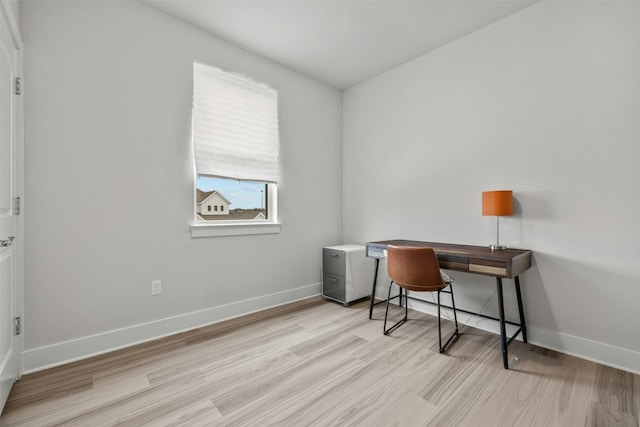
(497, 203)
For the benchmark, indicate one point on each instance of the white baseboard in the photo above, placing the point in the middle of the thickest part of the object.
(40, 358)
(605, 354)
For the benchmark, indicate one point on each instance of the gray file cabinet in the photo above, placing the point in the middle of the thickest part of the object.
(347, 274)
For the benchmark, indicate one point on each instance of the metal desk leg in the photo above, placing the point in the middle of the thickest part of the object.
(373, 289)
(503, 332)
(523, 324)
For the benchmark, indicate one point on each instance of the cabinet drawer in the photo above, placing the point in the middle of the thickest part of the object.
(334, 287)
(334, 261)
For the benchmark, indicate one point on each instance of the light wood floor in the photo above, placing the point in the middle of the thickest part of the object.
(320, 364)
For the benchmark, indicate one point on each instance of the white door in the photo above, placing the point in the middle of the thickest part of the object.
(10, 173)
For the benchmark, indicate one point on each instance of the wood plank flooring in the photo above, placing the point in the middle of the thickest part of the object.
(317, 363)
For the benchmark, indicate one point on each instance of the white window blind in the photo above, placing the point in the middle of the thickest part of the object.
(235, 126)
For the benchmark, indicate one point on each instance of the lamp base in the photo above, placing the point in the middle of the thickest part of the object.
(497, 247)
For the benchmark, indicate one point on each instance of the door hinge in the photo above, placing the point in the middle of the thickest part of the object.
(18, 86)
(17, 325)
(16, 206)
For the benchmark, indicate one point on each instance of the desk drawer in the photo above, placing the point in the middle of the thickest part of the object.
(334, 262)
(450, 262)
(375, 252)
(490, 268)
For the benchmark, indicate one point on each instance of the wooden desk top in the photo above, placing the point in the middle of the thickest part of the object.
(506, 263)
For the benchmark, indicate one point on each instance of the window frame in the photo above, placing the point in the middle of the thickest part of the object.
(269, 225)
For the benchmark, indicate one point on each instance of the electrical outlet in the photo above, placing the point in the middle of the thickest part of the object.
(156, 287)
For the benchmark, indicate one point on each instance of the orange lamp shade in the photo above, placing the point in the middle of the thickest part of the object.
(497, 203)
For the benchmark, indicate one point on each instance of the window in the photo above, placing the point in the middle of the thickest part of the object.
(236, 150)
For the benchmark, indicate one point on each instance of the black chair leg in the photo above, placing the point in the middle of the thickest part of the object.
(406, 303)
(386, 312)
(453, 304)
(455, 333)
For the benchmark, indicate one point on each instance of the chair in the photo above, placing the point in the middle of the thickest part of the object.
(417, 269)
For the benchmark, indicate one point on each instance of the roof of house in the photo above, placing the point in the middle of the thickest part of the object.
(235, 214)
(201, 196)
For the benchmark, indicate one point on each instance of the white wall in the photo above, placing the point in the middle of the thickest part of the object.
(107, 107)
(547, 103)
(14, 9)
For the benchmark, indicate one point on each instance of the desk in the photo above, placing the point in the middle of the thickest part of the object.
(501, 264)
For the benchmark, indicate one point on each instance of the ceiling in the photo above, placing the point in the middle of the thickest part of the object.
(340, 42)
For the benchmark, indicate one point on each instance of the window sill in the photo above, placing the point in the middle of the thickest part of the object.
(227, 229)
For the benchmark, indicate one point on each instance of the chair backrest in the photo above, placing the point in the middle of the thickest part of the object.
(414, 268)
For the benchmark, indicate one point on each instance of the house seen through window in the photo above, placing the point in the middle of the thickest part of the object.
(227, 199)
